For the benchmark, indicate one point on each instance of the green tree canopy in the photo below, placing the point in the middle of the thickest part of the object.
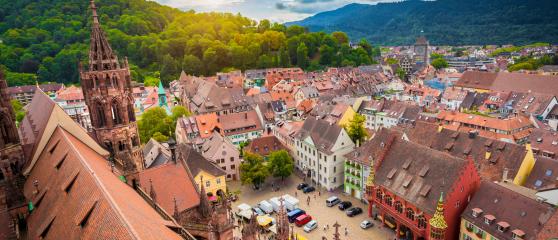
(355, 129)
(280, 164)
(253, 170)
(439, 63)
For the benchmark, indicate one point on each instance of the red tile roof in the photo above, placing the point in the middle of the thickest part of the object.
(170, 181)
(80, 198)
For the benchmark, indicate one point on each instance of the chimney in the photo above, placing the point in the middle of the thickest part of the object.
(505, 175)
(245, 115)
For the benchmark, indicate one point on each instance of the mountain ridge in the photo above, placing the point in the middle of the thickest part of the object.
(445, 22)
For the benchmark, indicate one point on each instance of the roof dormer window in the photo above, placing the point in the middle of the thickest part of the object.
(476, 212)
(488, 219)
(503, 226)
(517, 234)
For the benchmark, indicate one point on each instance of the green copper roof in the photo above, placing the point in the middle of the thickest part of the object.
(161, 89)
(122, 178)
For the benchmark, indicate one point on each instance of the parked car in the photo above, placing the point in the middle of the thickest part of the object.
(354, 211)
(308, 189)
(266, 206)
(292, 215)
(366, 224)
(332, 201)
(258, 211)
(301, 186)
(310, 226)
(345, 205)
(302, 220)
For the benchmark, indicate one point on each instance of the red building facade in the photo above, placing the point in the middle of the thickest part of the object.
(419, 192)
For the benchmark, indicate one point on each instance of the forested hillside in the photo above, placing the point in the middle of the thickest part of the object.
(445, 22)
(44, 41)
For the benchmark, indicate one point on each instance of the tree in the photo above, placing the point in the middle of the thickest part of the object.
(391, 61)
(439, 63)
(355, 129)
(18, 109)
(253, 170)
(302, 56)
(159, 137)
(178, 112)
(280, 164)
(340, 37)
(155, 120)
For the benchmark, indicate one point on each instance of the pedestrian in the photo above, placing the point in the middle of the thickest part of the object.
(319, 193)
(346, 232)
(314, 196)
(324, 228)
(327, 227)
(296, 193)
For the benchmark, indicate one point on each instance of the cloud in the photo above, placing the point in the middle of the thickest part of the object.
(315, 6)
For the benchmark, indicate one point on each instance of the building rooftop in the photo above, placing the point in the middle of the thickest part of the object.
(508, 212)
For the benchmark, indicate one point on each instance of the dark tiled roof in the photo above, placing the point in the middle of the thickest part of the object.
(35, 121)
(491, 166)
(544, 174)
(323, 133)
(408, 161)
(196, 162)
(474, 79)
(515, 209)
(544, 142)
(53, 87)
(265, 145)
(370, 150)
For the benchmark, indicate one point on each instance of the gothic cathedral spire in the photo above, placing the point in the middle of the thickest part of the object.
(107, 89)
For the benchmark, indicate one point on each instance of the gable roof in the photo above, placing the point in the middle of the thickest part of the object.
(265, 145)
(81, 198)
(42, 118)
(170, 181)
(197, 163)
(543, 175)
(409, 168)
(323, 133)
(518, 211)
(215, 143)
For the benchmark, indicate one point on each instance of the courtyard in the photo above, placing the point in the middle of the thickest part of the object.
(317, 209)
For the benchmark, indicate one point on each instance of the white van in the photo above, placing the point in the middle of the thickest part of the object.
(332, 201)
(266, 206)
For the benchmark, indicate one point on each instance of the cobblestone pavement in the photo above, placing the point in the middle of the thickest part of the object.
(317, 209)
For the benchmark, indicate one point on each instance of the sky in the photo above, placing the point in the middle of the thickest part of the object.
(274, 10)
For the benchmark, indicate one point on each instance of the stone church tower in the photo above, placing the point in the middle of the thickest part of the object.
(108, 94)
(11, 153)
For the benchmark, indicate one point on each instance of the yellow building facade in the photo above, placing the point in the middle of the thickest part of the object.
(469, 231)
(213, 184)
(526, 166)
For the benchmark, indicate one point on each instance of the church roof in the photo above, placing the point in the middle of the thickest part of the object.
(80, 197)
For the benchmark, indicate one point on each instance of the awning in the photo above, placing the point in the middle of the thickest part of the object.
(213, 198)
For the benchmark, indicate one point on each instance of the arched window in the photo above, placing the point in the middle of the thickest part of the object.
(121, 146)
(379, 195)
(421, 222)
(410, 214)
(101, 120)
(116, 116)
(114, 81)
(131, 113)
(398, 207)
(96, 80)
(389, 200)
(135, 141)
